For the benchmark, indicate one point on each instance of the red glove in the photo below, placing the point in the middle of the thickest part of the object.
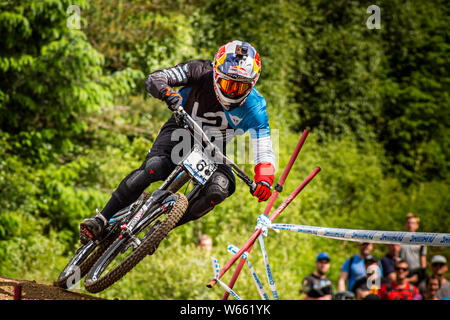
(264, 175)
(262, 191)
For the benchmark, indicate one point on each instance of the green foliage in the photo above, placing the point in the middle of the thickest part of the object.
(414, 126)
(143, 34)
(49, 77)
(74, 122)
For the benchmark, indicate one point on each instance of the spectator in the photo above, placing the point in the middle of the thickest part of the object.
(400, 289)
(415, 255)
(439, 267)
(204, 242)
(371, 283)
(432, 284)
(388, 261)
(317, 286)
(353, 268)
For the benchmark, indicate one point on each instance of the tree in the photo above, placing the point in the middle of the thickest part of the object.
(49, 77)
(415, 122)
(142, 34)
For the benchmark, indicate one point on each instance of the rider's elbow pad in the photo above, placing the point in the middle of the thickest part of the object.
(156, 84)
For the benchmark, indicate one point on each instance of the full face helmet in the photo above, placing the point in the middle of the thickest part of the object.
(236, 69)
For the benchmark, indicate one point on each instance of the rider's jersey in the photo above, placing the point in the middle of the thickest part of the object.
(200, 101)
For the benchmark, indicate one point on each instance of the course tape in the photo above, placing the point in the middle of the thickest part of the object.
(262, 292)
(233, 249)
(374, 236)
(216, 268)
(264, 223)
(268, 270)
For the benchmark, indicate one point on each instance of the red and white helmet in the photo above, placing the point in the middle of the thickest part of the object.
(236, 69)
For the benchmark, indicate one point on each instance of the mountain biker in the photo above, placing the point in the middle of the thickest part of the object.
(220, 96)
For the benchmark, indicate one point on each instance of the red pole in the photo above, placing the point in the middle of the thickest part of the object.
(292, 196)
(293, 157)
(257, 232)
(270, 204)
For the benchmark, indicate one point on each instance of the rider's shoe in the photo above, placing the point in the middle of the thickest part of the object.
(92, 228)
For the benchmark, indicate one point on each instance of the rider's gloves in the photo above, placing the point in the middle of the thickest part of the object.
(264, 175)
(172, 98)
(262, 191)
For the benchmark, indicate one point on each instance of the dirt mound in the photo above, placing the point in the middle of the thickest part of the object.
(35, 291)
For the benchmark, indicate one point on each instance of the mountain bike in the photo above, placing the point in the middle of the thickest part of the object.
(136, 231)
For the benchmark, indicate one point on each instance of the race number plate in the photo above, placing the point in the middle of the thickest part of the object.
(199, 165)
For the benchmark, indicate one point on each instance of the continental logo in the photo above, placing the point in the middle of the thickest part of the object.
(423, 238)
(445, 239)
(337, 234)
(291, 227)
(363, 235)
(395, 236)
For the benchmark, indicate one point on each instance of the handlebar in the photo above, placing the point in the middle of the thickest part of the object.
(191, 124)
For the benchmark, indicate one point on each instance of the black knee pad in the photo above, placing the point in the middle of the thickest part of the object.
(217, 189)
(157, 167)
(214, 192)
(152, 169)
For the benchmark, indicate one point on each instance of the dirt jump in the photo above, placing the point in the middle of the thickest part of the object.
(31, 290)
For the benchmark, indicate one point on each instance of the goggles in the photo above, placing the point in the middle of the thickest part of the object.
(233, 87)
(401, 269)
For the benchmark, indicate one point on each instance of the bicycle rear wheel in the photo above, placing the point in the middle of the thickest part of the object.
(174, 207)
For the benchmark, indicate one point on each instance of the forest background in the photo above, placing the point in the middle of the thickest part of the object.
(75, 119)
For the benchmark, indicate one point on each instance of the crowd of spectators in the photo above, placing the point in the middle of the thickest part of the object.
(401, 274)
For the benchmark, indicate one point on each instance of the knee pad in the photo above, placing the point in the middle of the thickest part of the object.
(214, 192)
(217, 189)
(157, 167)
(153, 169)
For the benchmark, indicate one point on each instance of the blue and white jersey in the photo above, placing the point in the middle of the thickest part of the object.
(252, 116)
